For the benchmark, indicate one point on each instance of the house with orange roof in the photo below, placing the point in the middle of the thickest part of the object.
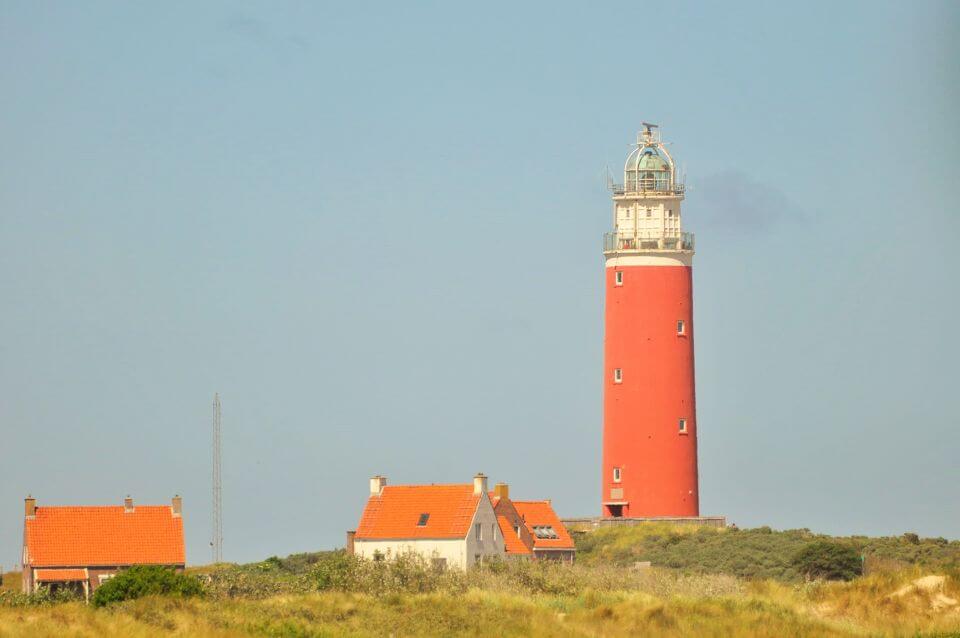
(531, 529)
(83, 547)
(448, 525)
(551, 540)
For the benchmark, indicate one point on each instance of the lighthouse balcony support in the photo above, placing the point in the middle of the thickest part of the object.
(648, 240)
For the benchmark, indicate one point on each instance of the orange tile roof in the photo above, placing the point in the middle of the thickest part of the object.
(50, 575)
(541, 513)
(397, 510)
(104, 535)
(513, 543)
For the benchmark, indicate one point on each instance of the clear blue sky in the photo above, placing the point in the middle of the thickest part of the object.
(376, 231)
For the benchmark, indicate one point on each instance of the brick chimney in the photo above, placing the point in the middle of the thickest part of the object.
(176, 505)
(30, 507)
(377, 483)
(128, 504)
(502, 491)
(480, 484)
(350, 536)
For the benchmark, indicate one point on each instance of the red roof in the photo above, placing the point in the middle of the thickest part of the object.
(60, 575)
(104, 535)
(512, 542)
(541, 514)
(398, 510)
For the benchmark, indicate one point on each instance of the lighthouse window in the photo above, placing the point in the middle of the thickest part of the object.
(619, 278)
(616, 475)
(680, 327)
(683, 426)
(617, 375)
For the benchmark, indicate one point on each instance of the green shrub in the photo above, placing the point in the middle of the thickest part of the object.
(337, 570)
(828, 560)
(146, 580)
(43, 596)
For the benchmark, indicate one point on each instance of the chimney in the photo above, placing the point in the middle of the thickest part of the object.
(502, 491)
(30, 507)
(377, 483)
(350, 534)
(177, 505)
(127, 504)
(480, 484)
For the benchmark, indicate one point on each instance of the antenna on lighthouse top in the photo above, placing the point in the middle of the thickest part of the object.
(649, 136)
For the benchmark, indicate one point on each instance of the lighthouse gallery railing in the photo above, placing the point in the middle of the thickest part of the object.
(648, 240)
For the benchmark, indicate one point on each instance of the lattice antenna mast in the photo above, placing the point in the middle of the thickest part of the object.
(216, 541)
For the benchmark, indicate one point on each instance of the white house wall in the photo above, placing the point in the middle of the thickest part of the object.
(454, 551)
(492, 543)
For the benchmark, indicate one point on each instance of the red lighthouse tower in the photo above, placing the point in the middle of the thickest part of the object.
(649, 405)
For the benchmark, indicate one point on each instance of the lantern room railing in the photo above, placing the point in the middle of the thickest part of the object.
(647, 186)
(648, 240)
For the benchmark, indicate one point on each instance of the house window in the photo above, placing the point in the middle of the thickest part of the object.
(617, 375)
(619, 278)
(616, 475)
(670, 213)
(104, 577)
(545, 531)
(681, 328)
(423, 519)
(649, 213)
(683, 426)
(479, 531)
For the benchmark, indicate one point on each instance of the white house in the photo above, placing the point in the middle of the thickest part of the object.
(448, 525)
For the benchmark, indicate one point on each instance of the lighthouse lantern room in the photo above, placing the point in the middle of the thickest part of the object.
(649, 403)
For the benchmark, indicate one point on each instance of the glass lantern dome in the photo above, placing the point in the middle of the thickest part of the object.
(647, 170)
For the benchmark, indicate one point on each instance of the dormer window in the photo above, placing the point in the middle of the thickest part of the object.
(423, 519)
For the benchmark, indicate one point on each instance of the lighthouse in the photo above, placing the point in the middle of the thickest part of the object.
(649, 403)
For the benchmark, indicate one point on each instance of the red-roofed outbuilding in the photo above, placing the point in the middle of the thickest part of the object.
(87, 545)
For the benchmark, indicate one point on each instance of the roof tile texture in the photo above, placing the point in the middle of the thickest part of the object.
(541, 513)
(105, 535)
(394, 513)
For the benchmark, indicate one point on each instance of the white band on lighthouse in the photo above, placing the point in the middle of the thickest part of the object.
(651, 259)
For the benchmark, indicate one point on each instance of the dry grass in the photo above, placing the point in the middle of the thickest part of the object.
(664, 604)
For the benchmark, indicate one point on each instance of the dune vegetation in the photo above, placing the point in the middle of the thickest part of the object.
(905, 592)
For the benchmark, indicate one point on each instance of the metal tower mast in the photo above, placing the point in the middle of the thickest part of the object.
(216, 542)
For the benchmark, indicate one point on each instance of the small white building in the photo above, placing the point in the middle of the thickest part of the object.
(448, 525)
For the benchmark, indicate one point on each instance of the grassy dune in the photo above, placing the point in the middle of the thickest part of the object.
(603, 595)
(765, 608)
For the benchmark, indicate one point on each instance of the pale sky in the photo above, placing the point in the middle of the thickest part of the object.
(375, 230)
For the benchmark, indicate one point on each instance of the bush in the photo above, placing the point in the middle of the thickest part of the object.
(336, 571)
(146, 580)
(828, 560)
